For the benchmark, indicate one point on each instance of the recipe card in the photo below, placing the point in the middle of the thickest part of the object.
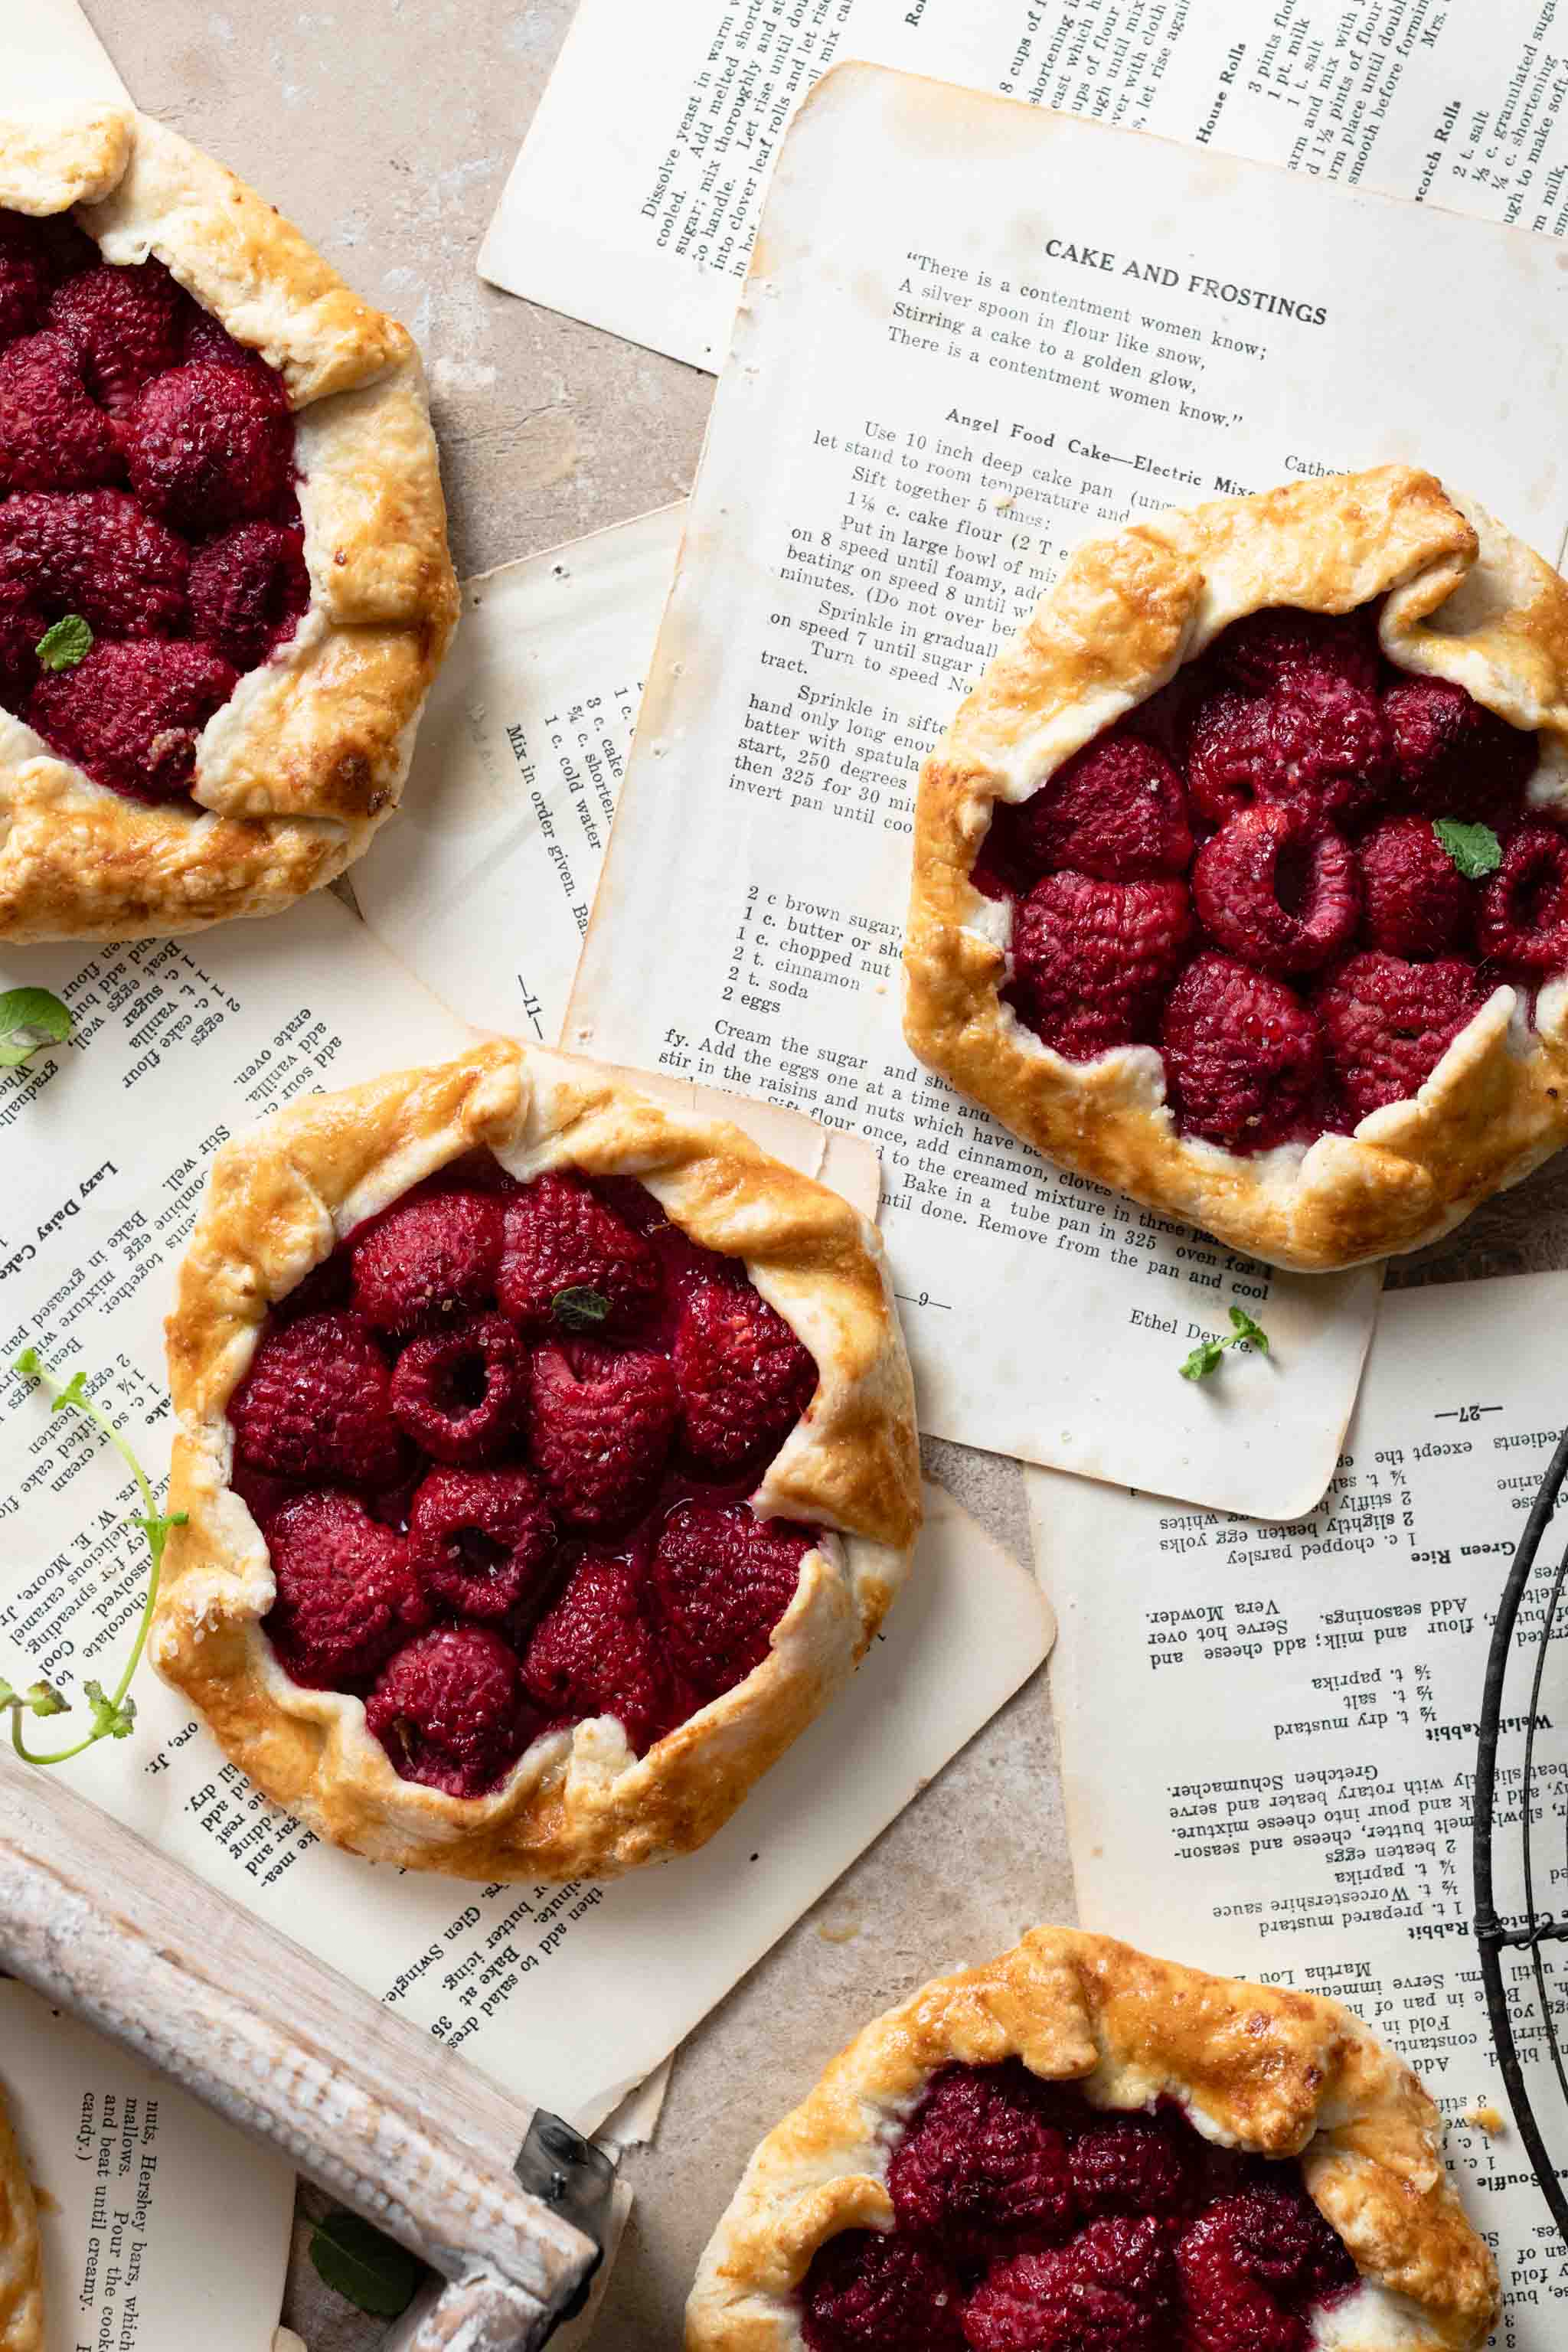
(569, 1994)
(1269, 1733)
(635, 201)
(484, 885)
(162, 2228)
(975, 334)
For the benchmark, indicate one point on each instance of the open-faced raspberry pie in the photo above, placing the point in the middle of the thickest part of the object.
(224, 579)
(1241, 878)
(1078, 2148)
(21, 2267)
(550, 1461)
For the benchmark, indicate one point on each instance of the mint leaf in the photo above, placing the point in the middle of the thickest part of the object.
(30, 1017)
(367, 2270)
(68, 642)
(1208, 1355)
(1246, 1328)
(1474, 848)
(579, 1308)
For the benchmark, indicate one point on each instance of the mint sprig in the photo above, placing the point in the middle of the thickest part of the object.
(65, 643)
(1205, 1357)
(113, 1716)
(368, 2270)
(30, 1018)
(1474, 848)
(580, 1308)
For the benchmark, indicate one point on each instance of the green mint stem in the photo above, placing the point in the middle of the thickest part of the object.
(65, 1396)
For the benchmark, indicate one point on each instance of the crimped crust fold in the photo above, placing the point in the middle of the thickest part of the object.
(311, 749)
(21, 2265)
(1278, 2073)
(579, 1803)
(1464, 601)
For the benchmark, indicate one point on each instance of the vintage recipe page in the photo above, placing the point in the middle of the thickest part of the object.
(976, 333)
(1269, 1733)
(484, 885)
(163, 2229)
(178, 1044)
(635, 201)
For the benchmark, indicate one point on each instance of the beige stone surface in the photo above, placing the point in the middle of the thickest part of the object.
(385, 129)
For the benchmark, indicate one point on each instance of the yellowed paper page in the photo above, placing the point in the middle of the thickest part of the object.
(1269, 1734)
(163, 2230)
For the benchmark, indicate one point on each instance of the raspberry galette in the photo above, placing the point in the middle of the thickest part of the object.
(21, 2265)
(550, 1461)
(1078, 2148)
(1241, 878)
(224, 579)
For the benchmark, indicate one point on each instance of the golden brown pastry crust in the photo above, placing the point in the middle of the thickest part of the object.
(1466, 601)
(1282, 2074)
(21, 2265)
(308, 757)
(578, 1805)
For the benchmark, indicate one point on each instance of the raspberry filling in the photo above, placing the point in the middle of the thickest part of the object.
(501, 1445)
(1027, 2221)
(147, 489)
(1247, 873)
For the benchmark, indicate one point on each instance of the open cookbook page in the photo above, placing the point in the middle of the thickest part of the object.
(485, 884)
(635, 201)
(936, 388)
(162, 2229)
(1269, 1733)
(176, 1046)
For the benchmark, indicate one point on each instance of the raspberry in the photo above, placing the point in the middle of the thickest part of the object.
(561, 1236)
(979, 2167)
(1415, 900)
(869, 2293)
(1386, 1024)
(1454, 758)
(1134, 2164)
(593, 1653)
(431, 1257)
(346, 1593)
(249, 591)
(478, 1539)
(1232, 758)
(126, 326)
(25, 275)
(1333, 744)
(1523, 918)
(1092, 959)
(723, 1578)
(96, 554)
(450, 1711)
(314, 1404)
(1117, 810)
(1264, 649)
(1108, 2290)
(1274, 892)
(600, 1421)
(1247, 2266)
(51, 435)
(22, 623)
(132, 714)
(745, 1379)
(1242, 1052)
(208, 343)
(208, 446)
(459, 1393)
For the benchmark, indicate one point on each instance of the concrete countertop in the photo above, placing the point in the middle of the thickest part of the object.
(385, 129)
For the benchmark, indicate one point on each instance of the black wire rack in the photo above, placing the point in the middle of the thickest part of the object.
(1527, 2015)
